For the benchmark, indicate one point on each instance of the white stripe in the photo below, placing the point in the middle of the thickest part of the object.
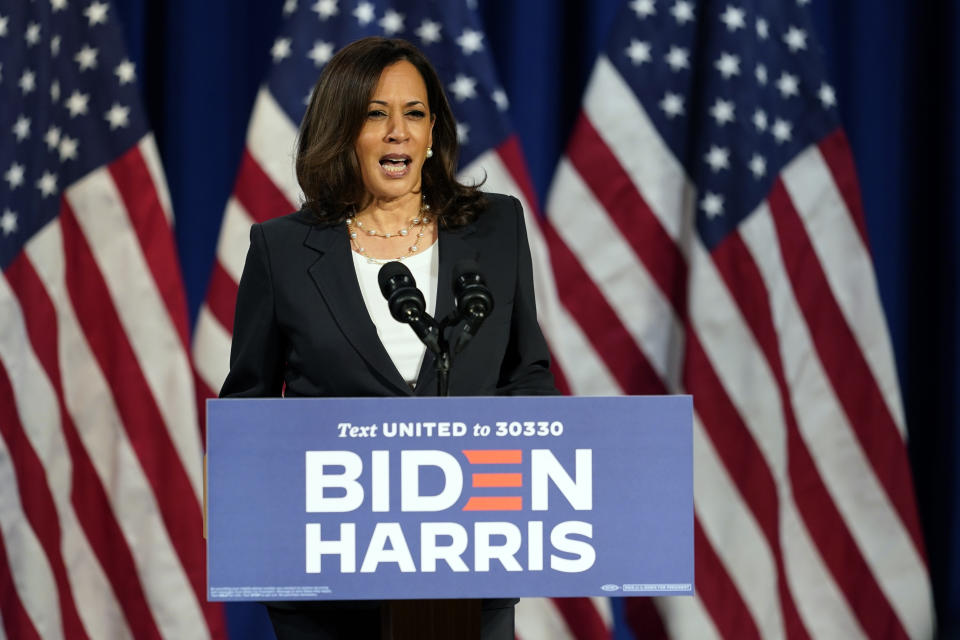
(625, 128)
(211, 350)
(735, 535)
(90, 403)
(840, 460)
(29, 567)
(604, 610)
(580, 363)
(234, 239)
(538, 619)
(686, 619)
(271, 140)
(848, 268)
(143, 314)
(612, 264)
(148, 150)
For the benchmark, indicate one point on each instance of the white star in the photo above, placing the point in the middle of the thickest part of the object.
(760, 119)
(763, 29)
(639, 52)
(289, 7)
(55, 46)
(782, 130)
(758, 166)
(761, 73)
(787, 85)
(58, 5)
(47, 184)
(77, 104)
(672, 105)
(392, 22)
(643, 8)
(728, 65)
(733, 17)
(712, 204)
(364, 13)
(96, 13)
(28, 81)
(463, 133)
(678, 58)
(4, 22)
(682, 11)
(795, 38)
(325, 8)
(463, 87)
(280, 49)
(429, 31)
(86, 58)
(55, 90)
(32, 34)
(499, 97)
(718, 158)
(118, 116)
(126, 72)
(14, 175)
(470, 41)
(722, 111)
(21, 128)
(321, 52)
(52, 137)
(827, 96)
(8, 222)
(68, 148)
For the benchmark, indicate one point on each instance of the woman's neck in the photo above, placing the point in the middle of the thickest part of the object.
(389, 215)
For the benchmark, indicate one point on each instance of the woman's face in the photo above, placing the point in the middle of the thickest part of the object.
(392, 145)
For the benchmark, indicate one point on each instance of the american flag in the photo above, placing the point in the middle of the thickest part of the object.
(703, 235)
(100, 478)
(708, 237)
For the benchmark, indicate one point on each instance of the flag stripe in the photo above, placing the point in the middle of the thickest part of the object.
(271, 141)
(582, 618)
(538, 619)
(256, 193)
(87, 494)
(148, 150)
(222, 296)
(140, 197)
(211, 352)
(843, 362)
(718, 593)
(15, 619)
(136, 405)
(644, 619)
(839, 160)
(686, 618)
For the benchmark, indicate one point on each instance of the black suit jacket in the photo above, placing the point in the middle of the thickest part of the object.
(301, 320)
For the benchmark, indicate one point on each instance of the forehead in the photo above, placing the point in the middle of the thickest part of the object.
(401, 80)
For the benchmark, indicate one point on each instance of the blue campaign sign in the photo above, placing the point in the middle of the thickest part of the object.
(395, 498)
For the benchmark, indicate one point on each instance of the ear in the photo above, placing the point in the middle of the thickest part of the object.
(433, 121)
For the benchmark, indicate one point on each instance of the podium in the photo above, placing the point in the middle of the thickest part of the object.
(448, 501)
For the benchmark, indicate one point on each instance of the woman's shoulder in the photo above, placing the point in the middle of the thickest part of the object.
(296, 222)
(498, 210)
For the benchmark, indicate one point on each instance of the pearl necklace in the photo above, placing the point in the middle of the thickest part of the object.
(419, 224)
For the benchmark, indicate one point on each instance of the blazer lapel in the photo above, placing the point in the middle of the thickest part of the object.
(453, 246)
(335, 277)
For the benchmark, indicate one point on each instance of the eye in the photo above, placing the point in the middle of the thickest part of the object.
(416, 113)
(376, 114)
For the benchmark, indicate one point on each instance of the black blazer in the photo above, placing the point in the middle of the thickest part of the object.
(301, 320)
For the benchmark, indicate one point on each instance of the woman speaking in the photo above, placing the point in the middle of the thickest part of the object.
(376, 161)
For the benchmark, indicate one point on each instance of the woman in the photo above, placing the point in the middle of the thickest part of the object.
(376, 161)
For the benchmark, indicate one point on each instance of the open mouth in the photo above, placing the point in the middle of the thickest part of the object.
(395, 165)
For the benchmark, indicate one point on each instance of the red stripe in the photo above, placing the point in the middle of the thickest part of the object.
(137, 407)
(140, 198)
(625, 206)
(845, 366)
(257, 193)
(580, 295)
(644, 619)
(511, 154)
(38, 503)
(87, 496)
(16, 622)
(222, 296)
(202, 392)
(718, 593)
(744, 462)
(839, 159)
(582, 618)
(822, 518)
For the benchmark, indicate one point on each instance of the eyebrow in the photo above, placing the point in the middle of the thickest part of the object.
(409, 104)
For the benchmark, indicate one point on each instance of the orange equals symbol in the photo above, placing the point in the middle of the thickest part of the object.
(495, 456)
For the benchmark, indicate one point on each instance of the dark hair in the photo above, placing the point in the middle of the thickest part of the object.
(327, 166)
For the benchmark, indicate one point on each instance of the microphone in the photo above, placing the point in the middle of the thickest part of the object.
(406, 303)
(473, 299)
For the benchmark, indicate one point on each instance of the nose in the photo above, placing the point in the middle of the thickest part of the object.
(396, 130)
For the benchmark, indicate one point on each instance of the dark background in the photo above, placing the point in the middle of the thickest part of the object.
(895, 66)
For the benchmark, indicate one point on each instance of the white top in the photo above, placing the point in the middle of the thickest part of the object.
(402, 344)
